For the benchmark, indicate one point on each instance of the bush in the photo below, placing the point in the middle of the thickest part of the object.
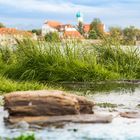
(25, 137)
(2, 25)
(52, 37)
(36, 31)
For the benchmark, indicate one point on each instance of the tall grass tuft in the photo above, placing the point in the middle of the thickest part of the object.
(25, 137)
(124, 60)
(71, 61)
(7, 85)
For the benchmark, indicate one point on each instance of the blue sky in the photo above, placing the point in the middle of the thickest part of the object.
(27, 14)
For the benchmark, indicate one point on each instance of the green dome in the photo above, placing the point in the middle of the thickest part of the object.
(79, 14)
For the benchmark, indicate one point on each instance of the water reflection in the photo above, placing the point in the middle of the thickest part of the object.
(102, 87)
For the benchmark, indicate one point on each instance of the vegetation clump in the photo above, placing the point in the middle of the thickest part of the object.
(25, 137)
(8, 85)
(54, 62)
(52, 37)
(127, 36)
(2, 25)
(96, 31)
(106, 105)
(22, 137)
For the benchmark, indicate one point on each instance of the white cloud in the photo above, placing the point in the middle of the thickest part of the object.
(113, 12)
(44, 6)
(68, 7)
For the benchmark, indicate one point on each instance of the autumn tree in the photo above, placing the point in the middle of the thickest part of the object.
(95, 29)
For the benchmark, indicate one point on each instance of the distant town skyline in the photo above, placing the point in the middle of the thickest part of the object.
(29, 14)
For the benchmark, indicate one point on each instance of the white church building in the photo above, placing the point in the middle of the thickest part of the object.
(64, 30)
(50, 26)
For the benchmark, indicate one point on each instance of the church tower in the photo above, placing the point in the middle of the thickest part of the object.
(79, 17)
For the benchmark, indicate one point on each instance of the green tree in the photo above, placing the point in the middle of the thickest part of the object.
(116, 34)
(138, 34)
(2, 25)
(129, 35)
(36, 31)
(95, 29)
(115, 31)
(93, 34)
(80, 28)
(52, 37)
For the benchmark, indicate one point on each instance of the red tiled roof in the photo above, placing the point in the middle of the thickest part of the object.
(13, 31)
(65, 25)
(72, 34)
(53, 24)
(86, 28)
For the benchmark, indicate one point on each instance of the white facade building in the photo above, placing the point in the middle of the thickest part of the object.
(50, 26)
(64, 30)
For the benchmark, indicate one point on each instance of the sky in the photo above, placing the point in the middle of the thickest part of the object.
(29, 14)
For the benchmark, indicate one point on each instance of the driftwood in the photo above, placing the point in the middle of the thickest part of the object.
(47, 120)
(46, 103)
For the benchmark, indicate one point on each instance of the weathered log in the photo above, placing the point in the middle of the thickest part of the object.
(46, 120)
(84, 104)
(46, 103)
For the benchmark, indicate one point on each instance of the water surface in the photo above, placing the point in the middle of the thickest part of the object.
(124, 99)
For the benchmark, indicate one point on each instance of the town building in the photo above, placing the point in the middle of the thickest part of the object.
(72, 33)
(64, 30)
(10, 35)
(68, 30)
(50, 26)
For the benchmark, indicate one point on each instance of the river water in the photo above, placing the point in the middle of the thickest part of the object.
(119, 129)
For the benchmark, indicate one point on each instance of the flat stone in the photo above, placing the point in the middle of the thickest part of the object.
(130, 115)
(47, 120)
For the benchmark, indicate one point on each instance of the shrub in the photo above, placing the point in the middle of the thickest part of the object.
(52, 37)
(25, 137)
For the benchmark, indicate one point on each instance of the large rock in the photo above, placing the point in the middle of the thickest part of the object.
(46, 103)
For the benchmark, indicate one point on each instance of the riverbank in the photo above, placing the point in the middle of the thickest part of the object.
(111, 101)
(36, 66)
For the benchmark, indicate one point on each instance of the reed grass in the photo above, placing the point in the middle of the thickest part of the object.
(25, 137)
(8, 85)
(69, 61)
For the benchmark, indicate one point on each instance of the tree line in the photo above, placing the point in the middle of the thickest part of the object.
(125, 36)
(2, 25)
